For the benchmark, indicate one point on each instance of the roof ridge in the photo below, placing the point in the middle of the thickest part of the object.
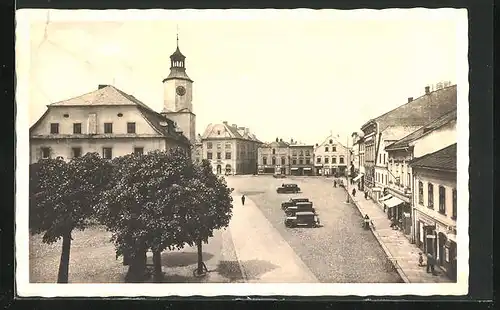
(78, 96)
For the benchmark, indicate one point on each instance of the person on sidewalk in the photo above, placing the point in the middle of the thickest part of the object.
(430, 264)
(366, 223)
(334, 183)
(366, 195)
(353, 192)
(243, 200)
(420, 260)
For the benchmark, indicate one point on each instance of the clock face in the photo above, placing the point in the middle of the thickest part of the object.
(181, 91)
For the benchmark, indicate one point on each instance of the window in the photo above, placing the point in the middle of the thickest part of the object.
(408, 179)
(454, 212)
(228, 155)
(219, 155)
(326, 148)
(45, 152)
(341, 160)
(274, 151)
(442, 200)
(209, 155)
(264, 161)
(326, 160)
(209, 145)
(430, 195)
(108, 127)
(107, 152)
(138, 150)
(380, 158)
(54, 128)
(334, 148)
(384, 160)
(308, 153)
(334, 160)
(218, 132)
(318, 160)
(219, 146)
(385, 179)
(301, 153)
(130, 127)
(77, 128)
(273, 161)
(420, 192)
(228, 146)
(301, 161)
(76, 151)
(294, 153)
(294, 162)
(308, 161)
(283, 160)
(331, 141)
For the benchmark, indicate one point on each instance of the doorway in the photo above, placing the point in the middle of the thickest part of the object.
(219, 169)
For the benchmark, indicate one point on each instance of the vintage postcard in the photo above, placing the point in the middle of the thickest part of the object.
(223, 152)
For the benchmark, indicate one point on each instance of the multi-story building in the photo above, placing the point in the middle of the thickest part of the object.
(274, 157)
(429, 138)
(330, 157)
(301, 158)
(230, 149)
(395, 124)
(114, 123)
(435, 201)
(198, 149)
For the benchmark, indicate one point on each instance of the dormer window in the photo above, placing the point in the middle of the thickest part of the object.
(218, 132)
(331, 141)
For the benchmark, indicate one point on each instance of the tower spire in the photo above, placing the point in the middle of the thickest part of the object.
(177, 36)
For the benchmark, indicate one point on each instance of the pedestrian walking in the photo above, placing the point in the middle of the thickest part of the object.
(334, 183)
(430, 263)
(420, 259)
(243, 200)
(366, 194)
(353, 192)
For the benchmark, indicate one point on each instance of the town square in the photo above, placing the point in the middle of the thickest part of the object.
(219, 177)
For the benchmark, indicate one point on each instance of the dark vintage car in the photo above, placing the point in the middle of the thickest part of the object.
(279, 176)
(300, 207)
(292, 202)
(288, 188)
(307, 218)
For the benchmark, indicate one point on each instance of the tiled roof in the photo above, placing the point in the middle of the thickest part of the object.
(421, 110)
(275, 144)
(228, 131)
(444, 159)
(424, 130)
(394, 133)
(110, 95)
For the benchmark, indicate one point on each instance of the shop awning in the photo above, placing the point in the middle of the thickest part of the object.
(295, 168)
(385, 197)
(393, 202)
(376, 189)
(356, 179)
(307, 168)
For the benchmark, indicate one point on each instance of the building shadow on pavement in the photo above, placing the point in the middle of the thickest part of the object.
(253, 269)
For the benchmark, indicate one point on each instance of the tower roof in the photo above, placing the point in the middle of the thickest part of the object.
(177, 55)
(177, 65)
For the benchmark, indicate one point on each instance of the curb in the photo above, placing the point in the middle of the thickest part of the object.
(399, 270)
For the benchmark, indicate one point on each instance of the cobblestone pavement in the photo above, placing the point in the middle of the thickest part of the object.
(397, 246)
(339, 252)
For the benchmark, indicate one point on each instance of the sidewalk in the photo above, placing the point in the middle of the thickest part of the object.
(398, 248)
(264, 256)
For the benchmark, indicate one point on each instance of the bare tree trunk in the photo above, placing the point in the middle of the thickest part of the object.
(200, 256)
(158, 274)
(62, 276)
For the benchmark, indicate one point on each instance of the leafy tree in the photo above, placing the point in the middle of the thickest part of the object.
(209, 207)
(62, 196)
(144, 210)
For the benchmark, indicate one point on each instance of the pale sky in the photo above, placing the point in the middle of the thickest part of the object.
(286, 73)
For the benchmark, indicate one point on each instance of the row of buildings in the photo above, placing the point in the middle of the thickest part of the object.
(407, 163)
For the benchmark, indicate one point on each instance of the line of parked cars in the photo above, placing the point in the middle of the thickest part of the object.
(298, 211)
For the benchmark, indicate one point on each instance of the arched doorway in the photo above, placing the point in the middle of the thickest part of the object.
(219, 169)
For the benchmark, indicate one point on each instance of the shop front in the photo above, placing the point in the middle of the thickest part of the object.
(449, 261)
(402, 211)
(426, 234)
(295, 171)
(307, 171)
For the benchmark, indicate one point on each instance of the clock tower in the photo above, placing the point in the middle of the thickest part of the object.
(178, 95)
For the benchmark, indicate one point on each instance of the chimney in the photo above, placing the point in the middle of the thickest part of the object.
(224, 122)
(427, 89)
(410, 99)
(234, 125)
(277, 140)
(101, 86)
(291, 141)
(281, 140)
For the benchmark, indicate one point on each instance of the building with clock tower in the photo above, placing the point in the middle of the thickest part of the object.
(178, 95)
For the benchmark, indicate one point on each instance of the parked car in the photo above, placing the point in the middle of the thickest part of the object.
(292, 201)
(288, 188)
(300, 207)
(279, 176)
(309, 219)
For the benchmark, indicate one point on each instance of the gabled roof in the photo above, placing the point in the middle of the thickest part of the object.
(421, 110)
(276, 144)
(111, 96)
(424, 130)
(444, 159)
(327, 141)
(226, 131)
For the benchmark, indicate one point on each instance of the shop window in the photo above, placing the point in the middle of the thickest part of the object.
(420, 193)
(442, 200)
(430, 196)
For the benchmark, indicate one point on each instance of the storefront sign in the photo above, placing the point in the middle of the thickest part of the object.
(430, 237)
